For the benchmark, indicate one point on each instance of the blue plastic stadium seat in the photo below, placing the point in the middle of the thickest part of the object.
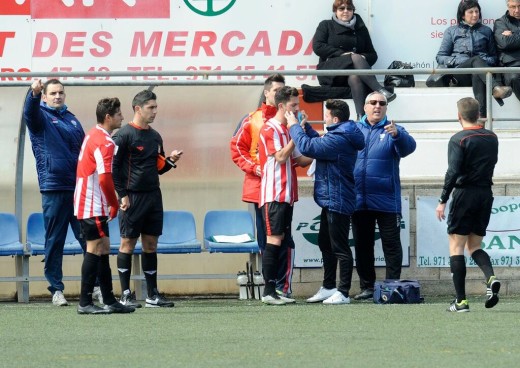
(229, 222)
(179, 234)
(9, 236)
(36, 237)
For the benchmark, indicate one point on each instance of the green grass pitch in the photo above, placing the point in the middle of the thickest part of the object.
(233, 333)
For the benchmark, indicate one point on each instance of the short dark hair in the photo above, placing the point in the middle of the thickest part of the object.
(337, 3)
(110, 106)
(338, 109)
(49, 82)
(465, 5)
(284, 95)
(468, 108)
(142, 98)
(272, 79)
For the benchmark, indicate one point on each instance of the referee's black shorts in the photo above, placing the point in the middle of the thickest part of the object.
(145, 215)
(470, 211)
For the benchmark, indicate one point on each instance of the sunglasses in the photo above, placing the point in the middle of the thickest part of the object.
(348, 8)
(375, 102)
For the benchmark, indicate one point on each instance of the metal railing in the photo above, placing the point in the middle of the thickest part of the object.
(128, 78)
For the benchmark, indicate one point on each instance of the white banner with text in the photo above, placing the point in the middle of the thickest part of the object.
(502, 241)
(154, 35)
(306, 225)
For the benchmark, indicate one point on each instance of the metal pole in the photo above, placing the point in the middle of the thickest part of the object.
(489, 101)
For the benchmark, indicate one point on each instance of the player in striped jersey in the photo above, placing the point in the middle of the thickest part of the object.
(95, 203)
(279, 187)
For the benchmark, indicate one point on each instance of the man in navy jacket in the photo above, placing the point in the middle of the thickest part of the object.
(56, 137)
(334, 192)
(378, 193)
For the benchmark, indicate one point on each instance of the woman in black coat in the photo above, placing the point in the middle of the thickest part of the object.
(343, 42)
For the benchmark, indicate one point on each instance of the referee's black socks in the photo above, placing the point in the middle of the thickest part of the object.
(482, 259)
(458, 269)
(124, 268)
(149, 264)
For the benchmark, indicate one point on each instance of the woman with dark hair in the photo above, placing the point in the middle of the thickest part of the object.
(470, 44)
(343, 42)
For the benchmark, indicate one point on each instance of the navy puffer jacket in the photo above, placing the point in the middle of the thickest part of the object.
(335, 154)
(56, 138)
(378, 186)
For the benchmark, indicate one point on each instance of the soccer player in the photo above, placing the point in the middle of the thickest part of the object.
(279, 187)
(139, 161)
(95, 203)
(472, 156)
(244, 152)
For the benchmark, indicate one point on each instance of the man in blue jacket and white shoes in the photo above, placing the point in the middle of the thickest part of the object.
(334, 192)
(378, 193)
(56, 138)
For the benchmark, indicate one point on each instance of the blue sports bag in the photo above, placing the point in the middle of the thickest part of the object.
(397, 292)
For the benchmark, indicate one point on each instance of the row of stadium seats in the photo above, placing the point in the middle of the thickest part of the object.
(179, 237)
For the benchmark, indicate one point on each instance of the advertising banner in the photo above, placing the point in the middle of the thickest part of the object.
(502, 241)
(195, 35)
(306, 225)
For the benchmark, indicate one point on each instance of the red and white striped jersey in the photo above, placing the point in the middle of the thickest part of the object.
(95, 158)
(279, 183)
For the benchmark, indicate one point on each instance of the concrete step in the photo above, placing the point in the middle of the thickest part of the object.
(430, 157)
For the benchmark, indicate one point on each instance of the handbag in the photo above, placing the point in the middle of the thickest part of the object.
(399, 80)
(440, 79)
(397, 292)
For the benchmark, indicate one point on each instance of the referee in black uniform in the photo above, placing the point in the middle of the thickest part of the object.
(472, 155)
(138, 162)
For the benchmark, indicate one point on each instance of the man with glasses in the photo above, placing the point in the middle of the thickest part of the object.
(507, 37)
(378, 192)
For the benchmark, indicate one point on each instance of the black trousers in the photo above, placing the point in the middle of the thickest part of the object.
(476, 81)
(513, 80)
(335, 248)
(364, 230)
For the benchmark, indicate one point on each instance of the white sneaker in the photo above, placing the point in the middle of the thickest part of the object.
(321, 295)
(337, 298)
(273, 300)
(58, 299)
(96, 294)
(286, 299)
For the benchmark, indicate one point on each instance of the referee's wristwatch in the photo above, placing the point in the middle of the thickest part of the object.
(441, 201)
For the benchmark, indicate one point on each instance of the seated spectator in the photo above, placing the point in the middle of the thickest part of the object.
(470, 44)
(507, 31)
(343, 42)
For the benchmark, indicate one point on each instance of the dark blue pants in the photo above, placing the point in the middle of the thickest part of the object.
(58, 212)
(364, 230)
